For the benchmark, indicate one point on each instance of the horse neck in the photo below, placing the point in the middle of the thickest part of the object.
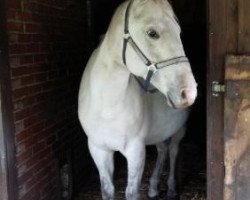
(114, 75)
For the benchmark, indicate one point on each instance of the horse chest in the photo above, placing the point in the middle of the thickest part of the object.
(164, 121)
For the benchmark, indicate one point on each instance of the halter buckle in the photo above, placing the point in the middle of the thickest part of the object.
(152, 68)
(126, 36)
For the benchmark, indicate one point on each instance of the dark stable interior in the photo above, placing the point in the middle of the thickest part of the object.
(191, 166)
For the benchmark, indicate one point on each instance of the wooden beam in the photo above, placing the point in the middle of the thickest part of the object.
(7, 109)
(215, 72)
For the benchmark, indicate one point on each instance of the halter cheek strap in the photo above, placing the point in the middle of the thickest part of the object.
(152, 67)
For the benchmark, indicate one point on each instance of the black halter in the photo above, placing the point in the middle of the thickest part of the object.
(152, 67)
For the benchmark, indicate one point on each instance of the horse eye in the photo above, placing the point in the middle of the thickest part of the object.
(153, 34)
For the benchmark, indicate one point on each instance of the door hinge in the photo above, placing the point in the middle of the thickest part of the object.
(218, 88)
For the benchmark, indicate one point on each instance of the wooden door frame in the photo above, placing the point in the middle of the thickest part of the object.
(217, 34)
(8, 160)
(3, 174)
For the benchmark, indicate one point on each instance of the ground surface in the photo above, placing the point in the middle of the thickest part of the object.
(190, 172)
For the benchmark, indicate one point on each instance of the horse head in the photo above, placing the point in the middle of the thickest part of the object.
(153, 44)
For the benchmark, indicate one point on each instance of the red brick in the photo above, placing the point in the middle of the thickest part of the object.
(16, 83)
(24, 156)
(24, 177)
(44, 48)
(20, 93)
(53, 75)
(37, 128)
(24, 103)
(38, 147)
(28, 59)
(14, 61)
(34, 28)
(20, 148)
(19, 127)
(28, 6)
(50, 140)
(32, 48)
(27, 80)
(12, 37)
(39, 38)
(19, 71)
(31, 120)
(21, 136)
(28, 142)
(17, 48)
(43, 135)
(28, 69)
(15, 27)
(32, 162)
(41, 169)
(30, 193)
(11, 14)
(41, 77)
(40, 58)
(13, 4)
(19, 115)
(24, 38)
(35, 89)
(25, 16)
(31, 182)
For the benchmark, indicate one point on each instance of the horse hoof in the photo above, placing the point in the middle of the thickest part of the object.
(152, 193)
(171, 194)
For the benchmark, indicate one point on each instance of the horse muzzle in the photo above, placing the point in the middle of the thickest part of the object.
(184, 98)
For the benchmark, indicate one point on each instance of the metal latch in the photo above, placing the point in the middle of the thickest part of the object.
(218, 88)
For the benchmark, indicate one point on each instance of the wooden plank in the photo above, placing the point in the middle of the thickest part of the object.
(232, 25)
(237, 149)
(217, 15)
(6, 108)
(237, 129)
(243, 26)
(238, 89)
(238, 67)
(3, 173)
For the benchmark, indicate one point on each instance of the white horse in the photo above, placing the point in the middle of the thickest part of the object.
(117, 114)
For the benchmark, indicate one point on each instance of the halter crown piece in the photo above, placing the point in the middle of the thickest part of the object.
(152, 67)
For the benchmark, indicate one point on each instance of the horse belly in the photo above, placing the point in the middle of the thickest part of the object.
(114, 134)
(165, 121)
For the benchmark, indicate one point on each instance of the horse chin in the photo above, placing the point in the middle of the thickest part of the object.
(171, 103)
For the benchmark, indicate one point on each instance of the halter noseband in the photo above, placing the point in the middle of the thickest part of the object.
(152, 67)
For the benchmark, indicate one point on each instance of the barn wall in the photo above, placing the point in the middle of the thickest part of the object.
(47, 53)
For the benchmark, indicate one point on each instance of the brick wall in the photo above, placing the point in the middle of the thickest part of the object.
(46, 56)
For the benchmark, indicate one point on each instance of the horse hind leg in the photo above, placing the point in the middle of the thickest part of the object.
(162, 149)
(173, 152)
(103, 159)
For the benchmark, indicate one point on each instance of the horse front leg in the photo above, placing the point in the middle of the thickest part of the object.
(104, 161)
(135, 155)
(162, 149)
(173, 152)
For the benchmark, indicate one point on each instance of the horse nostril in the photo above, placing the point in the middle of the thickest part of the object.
(184, 93)
(188, 95)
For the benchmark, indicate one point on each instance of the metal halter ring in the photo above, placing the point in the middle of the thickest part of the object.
(152, 67)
